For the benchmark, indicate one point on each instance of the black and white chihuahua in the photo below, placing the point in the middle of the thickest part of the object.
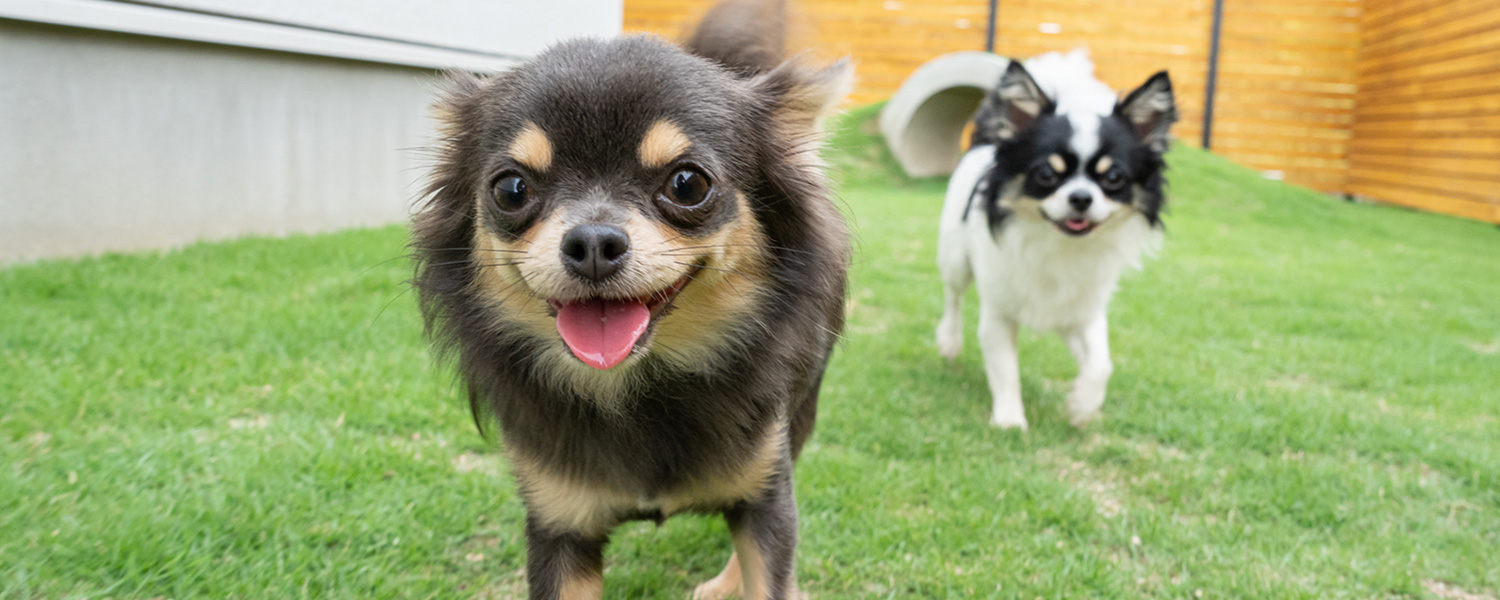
(1059, 194)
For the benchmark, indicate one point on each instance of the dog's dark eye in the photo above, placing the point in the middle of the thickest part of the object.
(510, 193)
(1044, 176)
(687, 188)
(1112, 180)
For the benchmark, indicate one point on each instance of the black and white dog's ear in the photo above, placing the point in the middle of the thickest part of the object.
(1151, 110)
(1012, 106)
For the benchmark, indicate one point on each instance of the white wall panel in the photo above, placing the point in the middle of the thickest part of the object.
(508, 27)
(119, 142)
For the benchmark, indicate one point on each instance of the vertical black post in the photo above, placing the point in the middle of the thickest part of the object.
(989, 39)
(1213, 76)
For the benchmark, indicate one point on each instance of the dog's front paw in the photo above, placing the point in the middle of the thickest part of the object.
(1082, 419)
(1009, 420)
(717, 588)
(1084, 403)
(725, 585)
(950, 338)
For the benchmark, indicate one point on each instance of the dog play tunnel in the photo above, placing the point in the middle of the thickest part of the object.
(923, 122)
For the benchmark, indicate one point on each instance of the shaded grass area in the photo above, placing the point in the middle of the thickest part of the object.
(1304, 405)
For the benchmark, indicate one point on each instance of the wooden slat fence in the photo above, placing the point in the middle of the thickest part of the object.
(1396, 100)
(1286, 88)
(1426, 129)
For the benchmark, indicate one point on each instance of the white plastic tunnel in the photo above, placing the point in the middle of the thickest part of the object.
(924, 121)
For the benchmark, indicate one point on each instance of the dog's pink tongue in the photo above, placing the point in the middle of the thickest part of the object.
(601, 333)
(1077, 224)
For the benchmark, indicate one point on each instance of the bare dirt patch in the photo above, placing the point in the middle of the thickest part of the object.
(473, 462)
(1102, 488)
(256, 422)
(1443, 589)
(1483, 348)
(510, 587)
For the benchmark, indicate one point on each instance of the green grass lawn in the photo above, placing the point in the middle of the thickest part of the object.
(1304, 406)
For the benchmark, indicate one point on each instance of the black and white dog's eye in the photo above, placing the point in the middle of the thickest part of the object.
(1112, 181)
(1044, 176)
(687, 188)
(510, 193)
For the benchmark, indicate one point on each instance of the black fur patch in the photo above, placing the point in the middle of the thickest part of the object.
(978, 194)
(1021, 157)
(1142, 166)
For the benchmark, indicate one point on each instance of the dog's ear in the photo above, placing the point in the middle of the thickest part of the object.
(745, 36)
(454, 105)
(803, 96)
(1011, 107)
(1150, 110)
(457, 113)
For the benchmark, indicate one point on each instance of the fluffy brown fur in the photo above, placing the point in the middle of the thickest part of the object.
(713, 404)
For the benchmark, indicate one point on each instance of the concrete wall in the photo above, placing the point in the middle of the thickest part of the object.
(119, 142)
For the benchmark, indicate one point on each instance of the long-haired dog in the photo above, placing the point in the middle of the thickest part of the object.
(631, 250)
(1060, 192)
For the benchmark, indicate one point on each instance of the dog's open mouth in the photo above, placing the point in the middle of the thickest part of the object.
(602, 332)
(1075, 225)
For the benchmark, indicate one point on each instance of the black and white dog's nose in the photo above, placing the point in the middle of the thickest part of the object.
(1080, 199)
(595, 251)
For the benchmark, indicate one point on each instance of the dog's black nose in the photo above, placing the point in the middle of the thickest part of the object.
(595, 251)
(1080, 199)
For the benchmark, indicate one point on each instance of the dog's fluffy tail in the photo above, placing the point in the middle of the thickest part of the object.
(746, 36)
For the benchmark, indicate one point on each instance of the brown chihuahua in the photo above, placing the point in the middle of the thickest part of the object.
(632, 252)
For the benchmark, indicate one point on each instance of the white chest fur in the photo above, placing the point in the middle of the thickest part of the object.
(1027, 270)
(1046, 280)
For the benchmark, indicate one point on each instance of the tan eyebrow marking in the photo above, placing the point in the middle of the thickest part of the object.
(1057, 162)
(532, 148)
(663, 143)
(1103, 165)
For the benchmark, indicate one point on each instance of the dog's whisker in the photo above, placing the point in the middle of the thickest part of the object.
(475, 261)
(450, 262)
(766, 246)
(518, 287)
(382, 263)
(468, 249)
(723, 270)
(387, 306)
(431, 203)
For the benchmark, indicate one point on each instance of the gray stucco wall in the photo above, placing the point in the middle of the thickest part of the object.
(121, 142)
